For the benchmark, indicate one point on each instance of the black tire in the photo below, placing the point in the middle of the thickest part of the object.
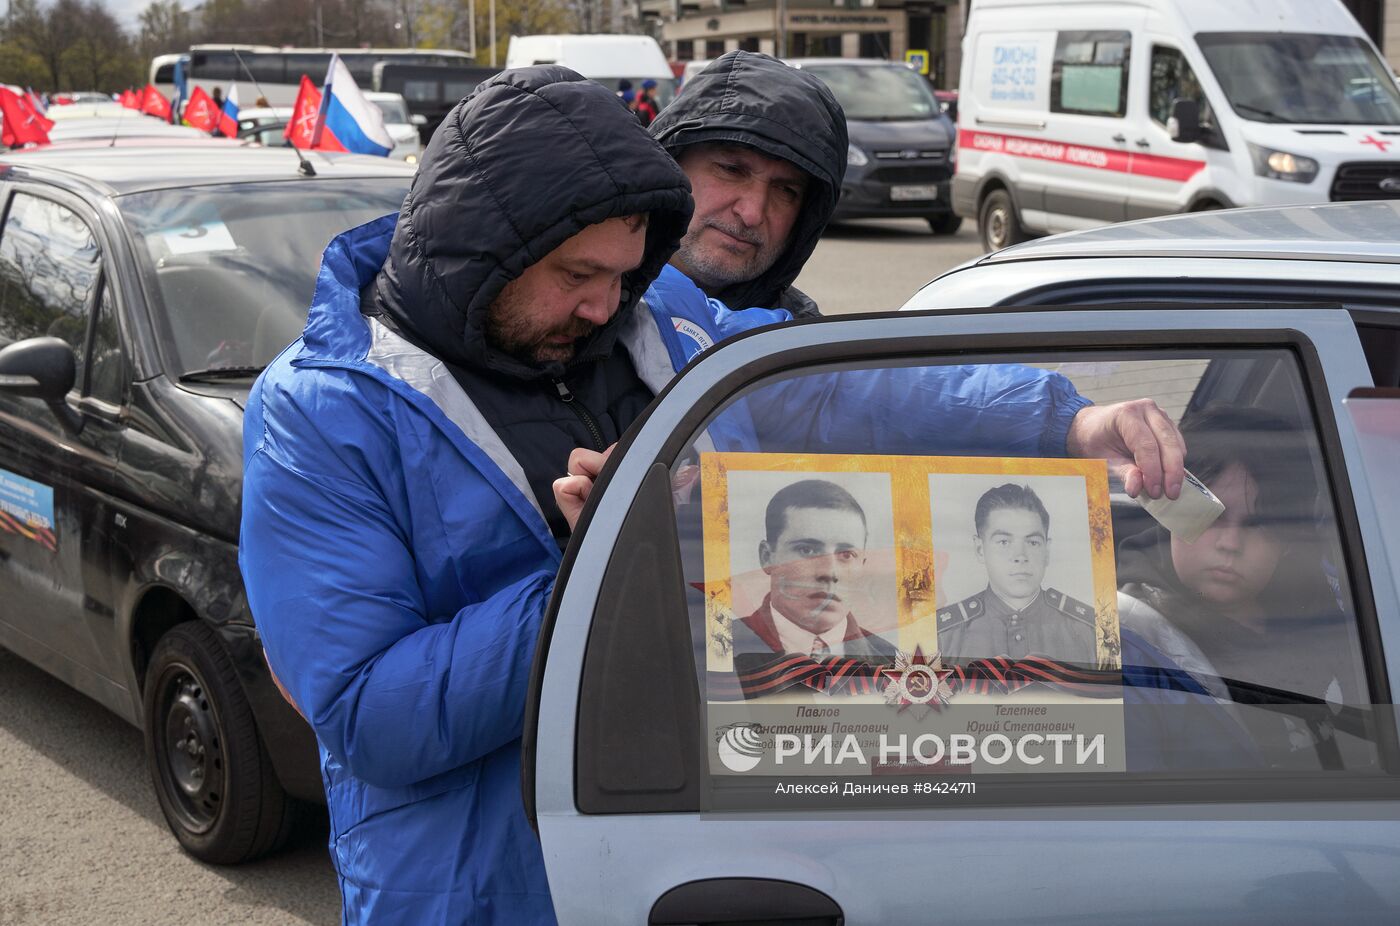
(997, 222)
(946, 223)
(213, 777)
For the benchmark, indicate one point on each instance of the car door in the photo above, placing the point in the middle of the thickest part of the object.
(1085, 163)
(673, 782)
(1166, 174)
(57, 610)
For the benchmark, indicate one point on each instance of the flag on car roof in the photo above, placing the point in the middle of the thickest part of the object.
(130, 100)
(302, 126)
(348, 121)
(19, 124)
(182, 91)
(201, 112)
(154, 104)
(228, 117)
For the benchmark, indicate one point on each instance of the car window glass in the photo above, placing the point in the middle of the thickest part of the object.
(107, 365)
(235, 267)
(839, 527)
(48, 265)
(1172, 80)
(1090, 74)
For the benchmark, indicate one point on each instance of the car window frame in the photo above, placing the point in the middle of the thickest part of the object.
(1125, 73)
(78, 396)
(1147, 332)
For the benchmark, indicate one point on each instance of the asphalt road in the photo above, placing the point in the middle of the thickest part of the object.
(874, 265)
(82, 839)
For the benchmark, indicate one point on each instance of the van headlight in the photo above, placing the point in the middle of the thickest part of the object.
(855, 157)
(1280, 165)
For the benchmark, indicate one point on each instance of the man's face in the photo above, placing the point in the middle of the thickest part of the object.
(1235, 559)
(746, 204)
(541, 315)
(1014, 548)
(813, 564)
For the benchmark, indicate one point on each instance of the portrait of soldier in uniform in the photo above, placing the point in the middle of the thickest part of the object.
(1015, 615)
(814, 555)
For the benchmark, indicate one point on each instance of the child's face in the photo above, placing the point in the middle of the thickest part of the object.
(1235, 559)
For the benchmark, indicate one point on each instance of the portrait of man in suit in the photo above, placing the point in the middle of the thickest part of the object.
(814, 555)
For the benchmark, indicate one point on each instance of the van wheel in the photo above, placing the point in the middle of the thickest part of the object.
(213, 777)
(946, 223)
(997, 223)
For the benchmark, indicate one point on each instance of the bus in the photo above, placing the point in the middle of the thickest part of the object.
(266, 70)
(430, 91)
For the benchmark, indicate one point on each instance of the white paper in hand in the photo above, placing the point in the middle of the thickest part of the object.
(1188, 516)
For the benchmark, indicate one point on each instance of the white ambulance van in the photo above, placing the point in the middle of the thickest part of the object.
(1076, 113)
(607, 59)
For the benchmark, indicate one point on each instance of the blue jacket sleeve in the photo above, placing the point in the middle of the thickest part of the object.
(999, 409)
(395, 694)
(989, 409)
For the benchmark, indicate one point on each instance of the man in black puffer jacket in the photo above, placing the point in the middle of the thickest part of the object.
(764, 146)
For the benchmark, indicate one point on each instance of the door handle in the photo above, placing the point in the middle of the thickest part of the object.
(1120, 138)
(744, 900)
(1143, 143)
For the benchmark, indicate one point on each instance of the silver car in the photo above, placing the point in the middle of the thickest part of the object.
(1258, 779)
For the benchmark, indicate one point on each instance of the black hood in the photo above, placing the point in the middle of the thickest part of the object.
(530, 158)
(751, 99)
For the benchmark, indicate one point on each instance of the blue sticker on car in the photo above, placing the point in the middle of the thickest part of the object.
(26, 508)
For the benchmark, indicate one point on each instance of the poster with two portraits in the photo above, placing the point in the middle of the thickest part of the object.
(936, 615)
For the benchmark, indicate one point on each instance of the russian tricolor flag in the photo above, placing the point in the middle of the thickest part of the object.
(228, 115)
(349, 122)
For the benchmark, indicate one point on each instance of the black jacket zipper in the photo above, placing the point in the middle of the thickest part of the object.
(583, 414)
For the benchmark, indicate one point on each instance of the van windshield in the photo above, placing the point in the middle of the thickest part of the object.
(878, 93)
(1296, 78)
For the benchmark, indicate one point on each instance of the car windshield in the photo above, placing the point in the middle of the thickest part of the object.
(1295, 78)
(235, 265)
(878, 93)
(393, 110)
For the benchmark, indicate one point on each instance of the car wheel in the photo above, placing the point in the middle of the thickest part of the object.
(213, 777)
(997, 223)
(946, 223)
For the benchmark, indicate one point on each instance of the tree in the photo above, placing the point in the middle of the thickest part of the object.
(443, 23)
(165, 29)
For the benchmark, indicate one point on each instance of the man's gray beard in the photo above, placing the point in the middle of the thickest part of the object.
(711, 276)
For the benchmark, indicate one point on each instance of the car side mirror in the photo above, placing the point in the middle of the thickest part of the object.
(1185, 122)
(42, 368)
(418, 119)
(951, 108)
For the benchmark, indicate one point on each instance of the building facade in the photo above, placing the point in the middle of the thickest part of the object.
(694, 30)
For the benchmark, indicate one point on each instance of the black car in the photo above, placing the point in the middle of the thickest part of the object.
(141, 292)
(900, 160)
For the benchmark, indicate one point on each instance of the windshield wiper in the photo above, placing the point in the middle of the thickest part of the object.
(215, 374)
(1266, 113)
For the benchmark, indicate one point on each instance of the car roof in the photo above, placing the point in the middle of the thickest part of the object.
(1360, 231)
(845, 62)
(135, 168)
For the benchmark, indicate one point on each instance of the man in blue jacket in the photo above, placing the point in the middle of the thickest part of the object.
(401, 531)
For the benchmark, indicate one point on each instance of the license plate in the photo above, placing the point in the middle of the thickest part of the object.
(909, 192)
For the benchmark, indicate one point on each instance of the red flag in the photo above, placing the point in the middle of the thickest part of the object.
(34, 116)
(153, 104)
(201, 112)
(303, 122)
(20, 127)
(130, 100)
